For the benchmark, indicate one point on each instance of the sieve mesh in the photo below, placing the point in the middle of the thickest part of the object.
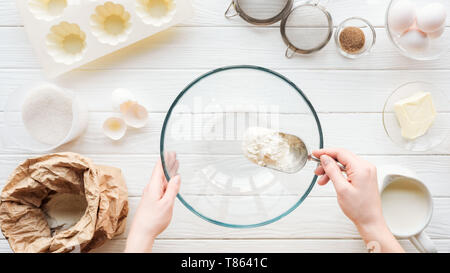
(307, 28)
(262, 9)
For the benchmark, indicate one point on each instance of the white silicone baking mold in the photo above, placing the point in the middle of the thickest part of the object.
(67, 34)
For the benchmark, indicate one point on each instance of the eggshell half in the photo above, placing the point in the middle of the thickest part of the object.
(121, 96)
(114, 128)
(135, 115)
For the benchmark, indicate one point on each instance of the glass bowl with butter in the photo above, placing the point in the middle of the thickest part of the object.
(415, 116)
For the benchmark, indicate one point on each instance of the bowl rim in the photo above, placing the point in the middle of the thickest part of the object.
(185, 90)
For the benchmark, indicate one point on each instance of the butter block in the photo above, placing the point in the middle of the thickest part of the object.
(415, 115)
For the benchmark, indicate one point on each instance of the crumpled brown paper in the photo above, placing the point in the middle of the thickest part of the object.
(23, 222)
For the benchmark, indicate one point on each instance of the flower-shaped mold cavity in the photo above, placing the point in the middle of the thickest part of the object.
(111, 23)
(156, 12)
(66, 43)
(47, 9)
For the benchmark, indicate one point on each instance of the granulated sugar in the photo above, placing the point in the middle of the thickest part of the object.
(47, 114)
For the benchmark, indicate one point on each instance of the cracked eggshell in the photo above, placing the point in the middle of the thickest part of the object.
(114, 128)
(156, 12)
(135, 115)
(122, 97)
(111, 23)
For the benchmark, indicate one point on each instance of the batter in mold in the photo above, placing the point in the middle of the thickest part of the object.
(156, 12)
(47, 9)
(111, 23)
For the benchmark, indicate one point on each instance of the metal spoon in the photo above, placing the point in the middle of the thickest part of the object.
(299, 152)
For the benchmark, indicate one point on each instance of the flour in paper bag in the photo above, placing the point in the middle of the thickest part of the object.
(64, 210)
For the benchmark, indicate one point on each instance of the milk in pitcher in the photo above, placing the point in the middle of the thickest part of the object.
(405, 205)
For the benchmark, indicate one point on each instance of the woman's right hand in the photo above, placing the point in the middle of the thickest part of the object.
(357, 194)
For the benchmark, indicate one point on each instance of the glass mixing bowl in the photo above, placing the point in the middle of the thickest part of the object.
(437, 45)
(204, 127)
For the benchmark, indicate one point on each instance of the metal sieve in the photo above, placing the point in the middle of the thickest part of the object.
(259, 12)
(305, 28)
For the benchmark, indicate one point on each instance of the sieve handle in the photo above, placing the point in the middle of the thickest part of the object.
(289, 52)
(228, 13)
(323, 3)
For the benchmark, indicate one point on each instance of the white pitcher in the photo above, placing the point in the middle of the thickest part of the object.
(416, 234)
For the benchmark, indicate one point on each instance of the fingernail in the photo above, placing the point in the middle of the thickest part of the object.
(325, 160)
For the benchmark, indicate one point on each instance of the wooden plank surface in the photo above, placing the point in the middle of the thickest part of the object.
(315, 218)
(204, 47)
(338, 129)
(433, 170)
(349, 89)
(211, 13)
(252, 246)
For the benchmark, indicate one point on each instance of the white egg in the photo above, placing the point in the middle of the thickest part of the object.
(135, 115)
(436, 34)
(114, 128)
(414, 40)
(121, 96)
(431, 17)
(402, 16)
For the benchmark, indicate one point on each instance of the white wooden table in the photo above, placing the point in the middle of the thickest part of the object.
(349, 96)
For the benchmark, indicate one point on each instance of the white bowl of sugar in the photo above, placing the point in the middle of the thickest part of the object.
(42, 117)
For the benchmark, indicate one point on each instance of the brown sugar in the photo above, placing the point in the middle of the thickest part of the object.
(352, 39)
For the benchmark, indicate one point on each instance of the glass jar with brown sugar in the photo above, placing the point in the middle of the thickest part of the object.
(355, 37)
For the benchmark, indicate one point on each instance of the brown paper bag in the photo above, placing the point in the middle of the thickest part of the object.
(23, 221)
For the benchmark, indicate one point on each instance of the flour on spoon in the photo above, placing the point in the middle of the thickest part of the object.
(268, 148)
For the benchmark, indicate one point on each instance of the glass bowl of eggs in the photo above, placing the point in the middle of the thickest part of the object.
(418, 27)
